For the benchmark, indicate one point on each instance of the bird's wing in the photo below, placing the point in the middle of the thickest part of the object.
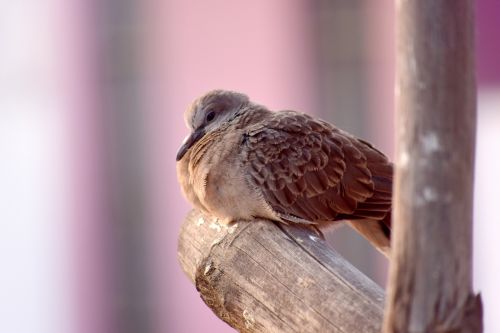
(310, 171)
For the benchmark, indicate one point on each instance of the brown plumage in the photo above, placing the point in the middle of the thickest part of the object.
(243, 161)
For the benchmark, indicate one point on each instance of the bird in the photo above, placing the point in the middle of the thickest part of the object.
(242, 161)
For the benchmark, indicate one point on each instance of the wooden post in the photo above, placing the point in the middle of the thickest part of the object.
(260, 277)
(430, 280)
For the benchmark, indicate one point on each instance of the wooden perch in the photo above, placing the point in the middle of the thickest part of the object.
(261, 277)
(430, 280)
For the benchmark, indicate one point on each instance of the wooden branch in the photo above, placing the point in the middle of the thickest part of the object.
(430, 280)
(260, 277)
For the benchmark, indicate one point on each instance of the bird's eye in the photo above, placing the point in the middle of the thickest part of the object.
(210, 116)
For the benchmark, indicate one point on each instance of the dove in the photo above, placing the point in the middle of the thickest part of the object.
(242, 161)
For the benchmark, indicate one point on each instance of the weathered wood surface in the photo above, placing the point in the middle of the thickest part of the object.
(260, 277)
(430, 280)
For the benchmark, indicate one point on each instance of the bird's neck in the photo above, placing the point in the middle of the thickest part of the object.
(230, 130)
(250, 115)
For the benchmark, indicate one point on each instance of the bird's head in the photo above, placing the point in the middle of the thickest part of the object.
(210, 112)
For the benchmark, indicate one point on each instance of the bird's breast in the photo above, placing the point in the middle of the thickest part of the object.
(214, 179)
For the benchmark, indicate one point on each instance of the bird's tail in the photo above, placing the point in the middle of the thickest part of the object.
(377, 232)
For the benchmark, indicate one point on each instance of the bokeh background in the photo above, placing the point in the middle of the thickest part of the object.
(92, 94)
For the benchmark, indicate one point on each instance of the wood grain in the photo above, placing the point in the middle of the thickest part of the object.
(261, 277)
(430, 280)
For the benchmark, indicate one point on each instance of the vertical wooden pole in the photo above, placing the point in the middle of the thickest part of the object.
(430, 279)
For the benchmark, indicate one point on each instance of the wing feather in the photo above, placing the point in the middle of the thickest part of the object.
(309, 170)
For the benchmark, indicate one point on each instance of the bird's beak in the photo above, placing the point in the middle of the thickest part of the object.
(189, 141)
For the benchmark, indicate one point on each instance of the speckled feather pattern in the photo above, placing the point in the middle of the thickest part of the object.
(312, 170)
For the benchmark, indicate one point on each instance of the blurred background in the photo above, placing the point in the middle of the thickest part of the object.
(92, 95)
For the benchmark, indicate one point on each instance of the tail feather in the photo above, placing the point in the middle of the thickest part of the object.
(378, 233)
